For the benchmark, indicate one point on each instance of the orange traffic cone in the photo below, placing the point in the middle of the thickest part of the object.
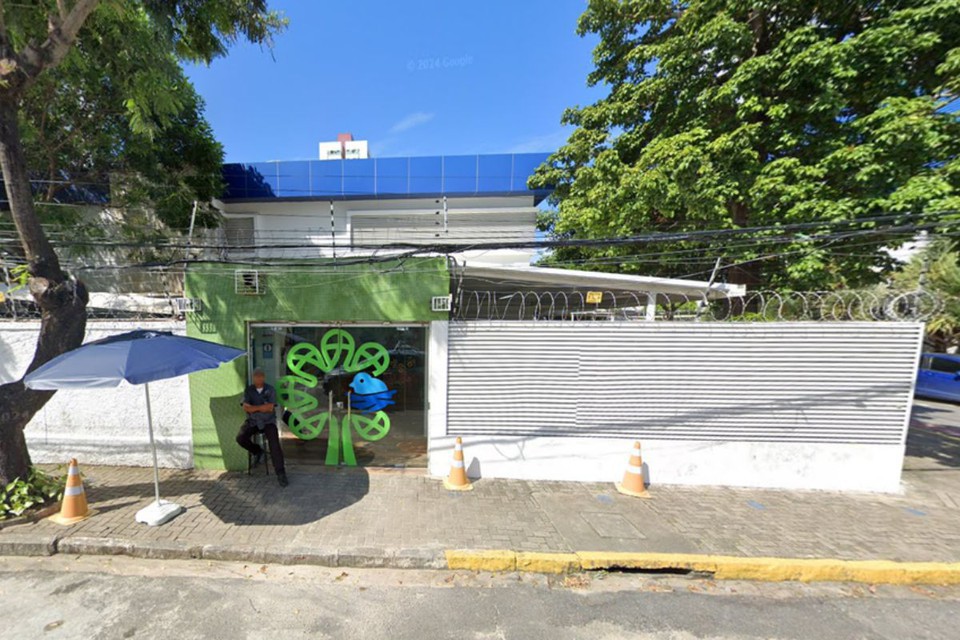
(74, 507)
(457, 481)
(632, 484)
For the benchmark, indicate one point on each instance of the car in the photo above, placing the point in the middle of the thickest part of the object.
(939, 377)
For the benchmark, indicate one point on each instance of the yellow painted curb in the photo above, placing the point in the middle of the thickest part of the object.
(548, 562)
(482, 560)
(722, 567)
(782, 569)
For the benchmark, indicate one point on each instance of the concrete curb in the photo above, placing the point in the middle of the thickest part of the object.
(33, 545)
(150, 549)
(500, 560)
(15, 544)
(721, 567)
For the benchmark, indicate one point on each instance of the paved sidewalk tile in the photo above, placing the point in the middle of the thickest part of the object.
(348, 510)
(365, 515)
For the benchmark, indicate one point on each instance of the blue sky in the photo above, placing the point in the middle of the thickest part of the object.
(413, 77)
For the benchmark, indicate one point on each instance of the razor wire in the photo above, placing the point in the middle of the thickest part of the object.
(759, 306)
(879, 305)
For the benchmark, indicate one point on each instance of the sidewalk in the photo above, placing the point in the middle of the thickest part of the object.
(370, 517)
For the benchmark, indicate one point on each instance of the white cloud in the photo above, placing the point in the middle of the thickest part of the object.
(546, 142)
(413, 120)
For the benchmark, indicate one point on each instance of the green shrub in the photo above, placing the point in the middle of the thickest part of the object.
(21, 495)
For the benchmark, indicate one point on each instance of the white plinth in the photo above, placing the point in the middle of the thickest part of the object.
(156, 513)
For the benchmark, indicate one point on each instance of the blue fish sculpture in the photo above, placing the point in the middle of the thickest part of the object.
(369, 394)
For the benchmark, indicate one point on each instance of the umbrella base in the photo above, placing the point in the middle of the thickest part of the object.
(156, 513)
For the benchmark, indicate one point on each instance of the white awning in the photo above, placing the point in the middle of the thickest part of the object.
(545, 277)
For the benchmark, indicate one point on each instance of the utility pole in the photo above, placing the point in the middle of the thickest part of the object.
(333, 231)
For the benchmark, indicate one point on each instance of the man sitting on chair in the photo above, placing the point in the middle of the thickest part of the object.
(259, 402)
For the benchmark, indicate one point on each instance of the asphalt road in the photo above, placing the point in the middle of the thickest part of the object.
(119, 597)
(933, 440)
(936, 412)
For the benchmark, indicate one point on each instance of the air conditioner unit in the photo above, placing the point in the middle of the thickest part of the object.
(248, 282)
(187, 305)
(441, 303)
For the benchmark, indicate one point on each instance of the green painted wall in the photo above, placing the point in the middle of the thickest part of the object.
(385, 292)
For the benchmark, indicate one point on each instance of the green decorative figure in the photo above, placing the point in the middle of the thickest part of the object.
(337, 349)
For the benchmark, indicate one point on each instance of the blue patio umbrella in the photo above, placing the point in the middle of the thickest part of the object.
(138, 357)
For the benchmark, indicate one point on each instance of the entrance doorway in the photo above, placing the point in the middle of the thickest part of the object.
(351, 394)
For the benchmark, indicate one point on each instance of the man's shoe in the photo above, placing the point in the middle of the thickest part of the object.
(257, 459)
(282, 479)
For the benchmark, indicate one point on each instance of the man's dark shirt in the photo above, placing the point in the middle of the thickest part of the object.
(267, 396)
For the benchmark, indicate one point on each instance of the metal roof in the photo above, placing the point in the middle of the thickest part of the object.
(540, 277)
(488, 175)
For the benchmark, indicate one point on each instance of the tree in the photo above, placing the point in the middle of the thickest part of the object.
(936, 270)
(93, 39)
(726, 113)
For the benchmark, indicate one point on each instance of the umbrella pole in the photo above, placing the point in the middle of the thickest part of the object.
(153, 445)
(158, 512)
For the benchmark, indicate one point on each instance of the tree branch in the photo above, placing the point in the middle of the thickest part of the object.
(61, 34)
(3, 24)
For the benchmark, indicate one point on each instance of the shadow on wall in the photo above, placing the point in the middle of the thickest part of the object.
(655, 427)
(473, 471)
(172, 454)
(228, 417)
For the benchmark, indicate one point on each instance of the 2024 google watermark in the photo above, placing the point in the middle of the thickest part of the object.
(439, 63)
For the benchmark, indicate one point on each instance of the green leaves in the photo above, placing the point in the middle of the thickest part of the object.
(936, 269)
(724, 113)
(17, 497)
(118, 116)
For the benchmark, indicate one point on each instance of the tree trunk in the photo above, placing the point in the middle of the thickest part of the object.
(62, 300)
(747, 274)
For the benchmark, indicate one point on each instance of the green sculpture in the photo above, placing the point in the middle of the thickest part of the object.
(337, 349)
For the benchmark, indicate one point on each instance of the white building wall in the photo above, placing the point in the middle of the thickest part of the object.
(847, 436)
(306, 226)
(103, 426)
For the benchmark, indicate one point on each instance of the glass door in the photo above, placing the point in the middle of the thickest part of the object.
(350, 394)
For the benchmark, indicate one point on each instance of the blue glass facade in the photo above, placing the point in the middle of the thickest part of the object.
(415, 177)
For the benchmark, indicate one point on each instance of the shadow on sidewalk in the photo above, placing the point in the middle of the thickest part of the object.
(928, 443)
(258, 500)
(932, 436)
(236, 498)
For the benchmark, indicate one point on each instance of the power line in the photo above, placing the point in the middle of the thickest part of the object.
(457, 247)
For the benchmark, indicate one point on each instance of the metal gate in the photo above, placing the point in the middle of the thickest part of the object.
(829, 382)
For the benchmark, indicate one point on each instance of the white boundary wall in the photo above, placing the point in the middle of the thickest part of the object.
(103, 426)
(840, 424)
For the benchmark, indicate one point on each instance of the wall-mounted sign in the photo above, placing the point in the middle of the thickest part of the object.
(267, 351)
(594, 297)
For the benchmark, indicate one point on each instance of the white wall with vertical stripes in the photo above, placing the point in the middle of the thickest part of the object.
(790, 405)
